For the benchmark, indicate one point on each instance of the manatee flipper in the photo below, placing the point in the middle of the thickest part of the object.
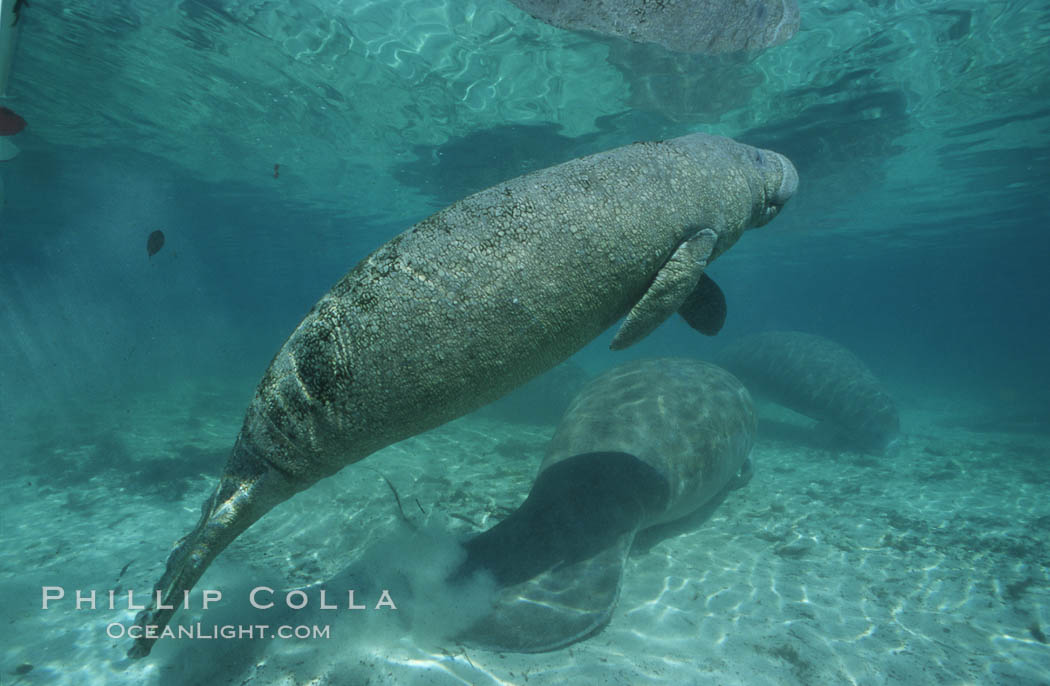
(669, 289)
(705, 308)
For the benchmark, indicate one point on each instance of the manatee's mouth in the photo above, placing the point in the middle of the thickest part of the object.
(778, 181)
(788, 181)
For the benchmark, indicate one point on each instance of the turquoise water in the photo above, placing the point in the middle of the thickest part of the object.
(917, 239)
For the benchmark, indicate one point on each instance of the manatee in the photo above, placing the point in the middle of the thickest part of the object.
(699, 26)
(820, 379)
(473, 301)
(645, 444)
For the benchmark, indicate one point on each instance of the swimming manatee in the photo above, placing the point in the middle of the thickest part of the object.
(819, 378)
(473, 301)
(645, 444)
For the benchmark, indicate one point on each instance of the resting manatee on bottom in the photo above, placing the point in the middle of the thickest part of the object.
(647, 443)
(820, 379)
(473, 301)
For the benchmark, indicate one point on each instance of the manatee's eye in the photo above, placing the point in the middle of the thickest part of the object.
(760, 159)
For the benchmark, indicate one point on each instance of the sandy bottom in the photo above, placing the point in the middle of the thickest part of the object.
(830, 567)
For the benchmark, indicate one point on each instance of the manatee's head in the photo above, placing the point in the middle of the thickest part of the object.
(777, 182)
(749, 184)
(767, 177)
(878, 428)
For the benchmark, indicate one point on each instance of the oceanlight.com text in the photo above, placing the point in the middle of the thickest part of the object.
(202, 631)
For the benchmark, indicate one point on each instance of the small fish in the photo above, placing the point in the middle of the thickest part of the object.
(276, 170)
(24, 668)
(154, 243)
(10, 122)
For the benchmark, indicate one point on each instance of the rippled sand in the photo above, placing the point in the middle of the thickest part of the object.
(828, 568)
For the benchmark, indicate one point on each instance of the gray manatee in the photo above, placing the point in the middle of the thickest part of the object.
(473, 301)
(820, 379)
(702, 26)
(647, 443)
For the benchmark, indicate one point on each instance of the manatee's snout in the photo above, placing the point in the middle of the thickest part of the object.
(780, 181)
(788, 180)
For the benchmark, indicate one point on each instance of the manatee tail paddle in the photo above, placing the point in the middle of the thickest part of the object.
(236, 504)
(559, 558)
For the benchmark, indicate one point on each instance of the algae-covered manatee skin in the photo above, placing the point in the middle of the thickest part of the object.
(495, 289)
